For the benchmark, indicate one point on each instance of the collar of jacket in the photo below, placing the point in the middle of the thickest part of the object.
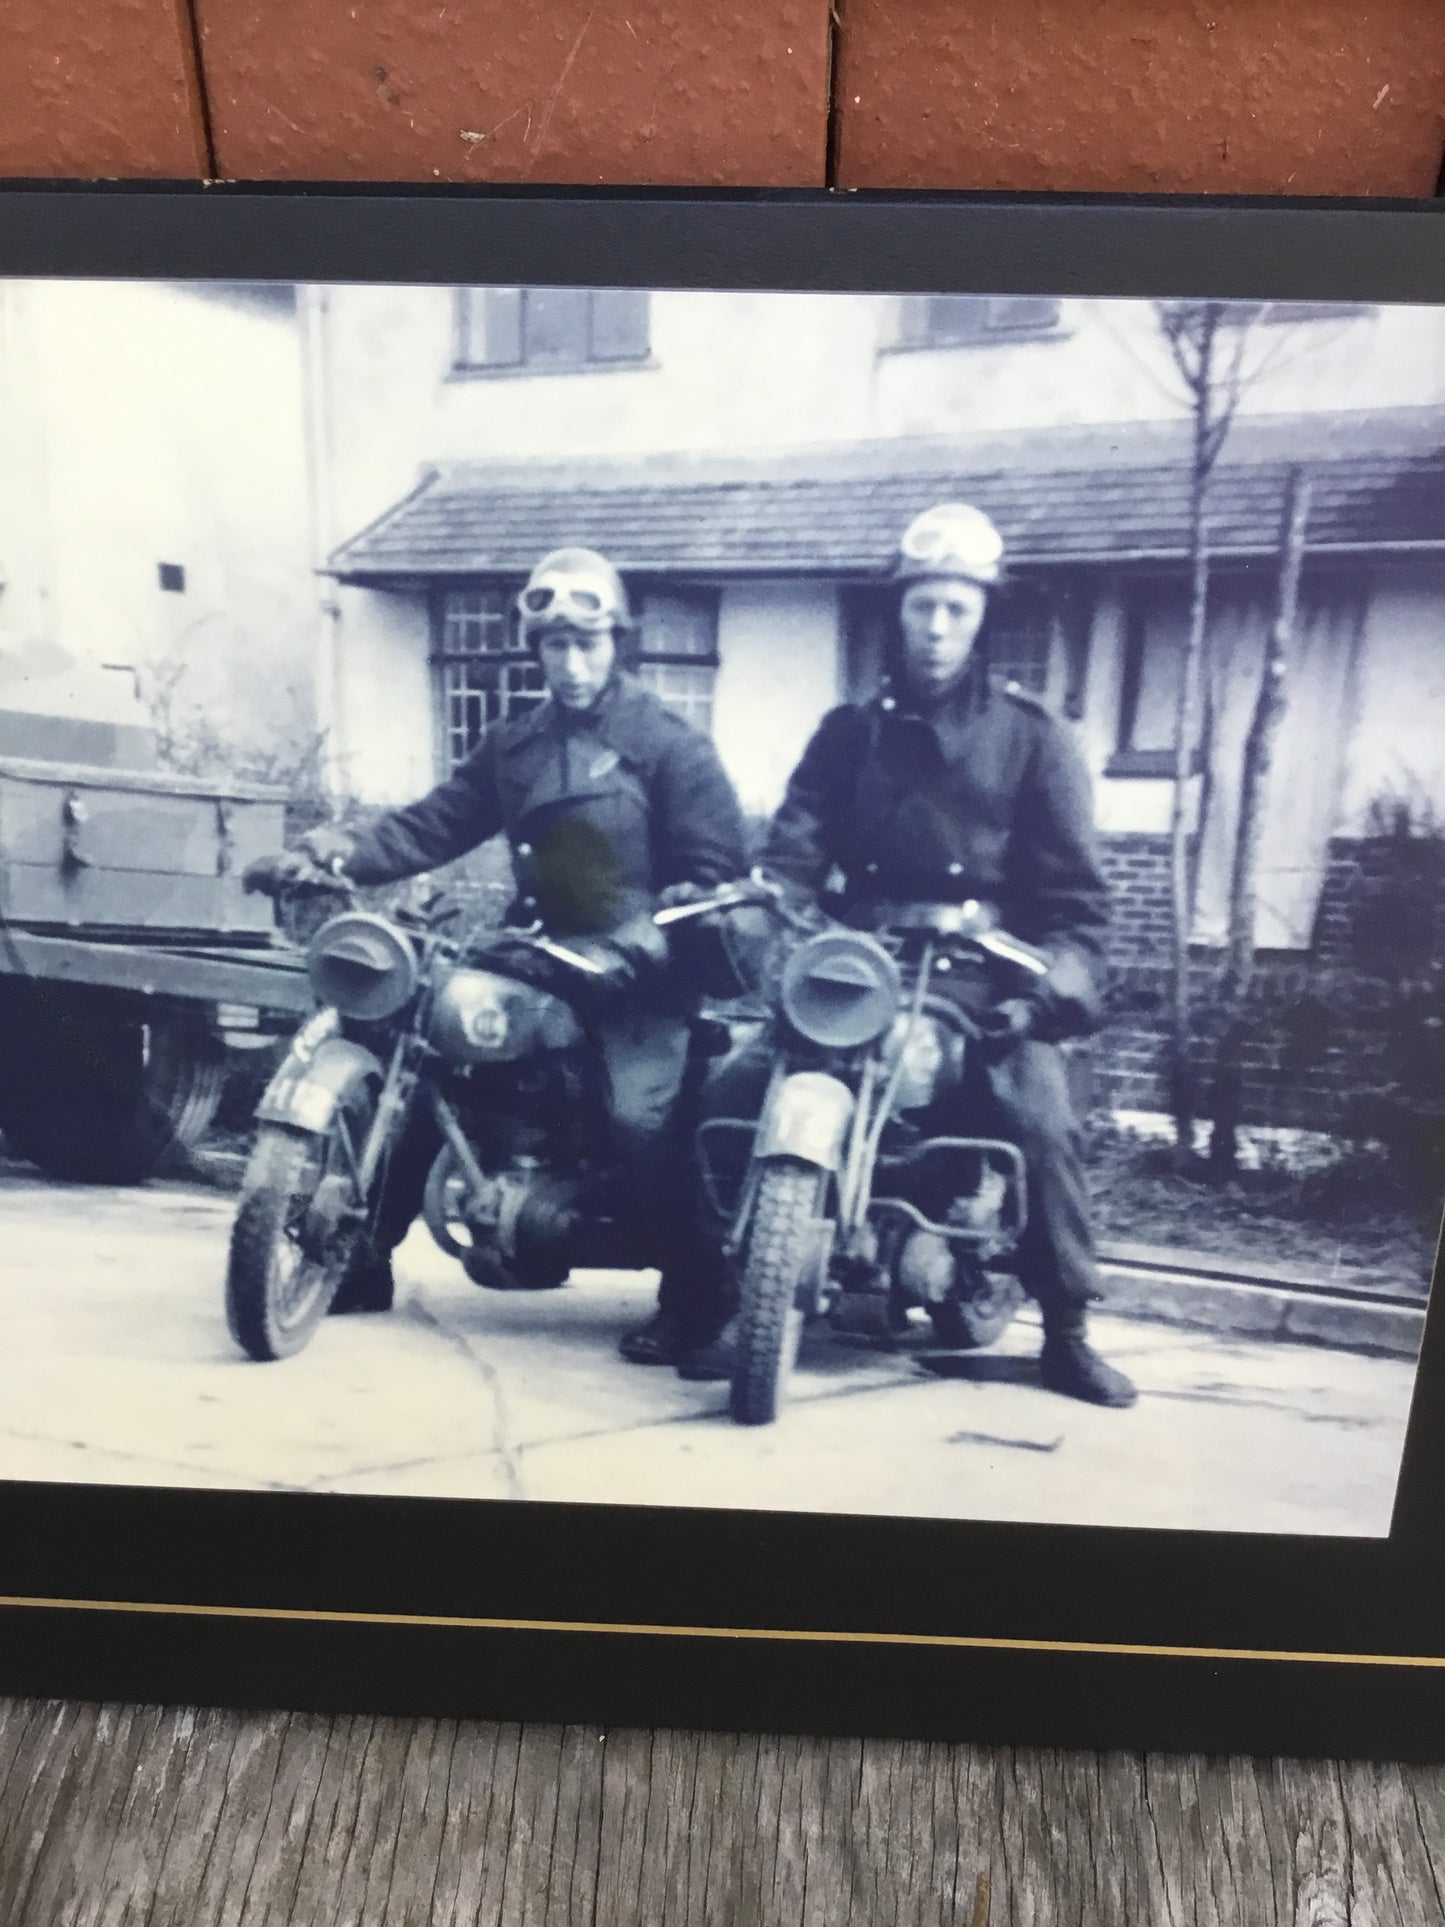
(620, 716)
(965, 700)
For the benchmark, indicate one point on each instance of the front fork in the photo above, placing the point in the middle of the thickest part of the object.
(321, 1073)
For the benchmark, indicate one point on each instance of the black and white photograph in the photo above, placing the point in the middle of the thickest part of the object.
(802, 901)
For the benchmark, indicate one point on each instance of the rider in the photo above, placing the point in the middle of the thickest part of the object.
(952, 784)
(611, 805)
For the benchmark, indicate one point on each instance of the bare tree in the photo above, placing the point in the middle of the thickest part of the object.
(1208, 342)
(1269, 709)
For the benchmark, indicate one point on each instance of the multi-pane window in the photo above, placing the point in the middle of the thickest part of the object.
(1156, 633)
(1239, 314)
(678, 658)
(1021, 638)
(483, 673)
(544, 330)
(974, 320)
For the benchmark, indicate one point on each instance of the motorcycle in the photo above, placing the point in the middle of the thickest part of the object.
(857, 1203)
(488, 1031)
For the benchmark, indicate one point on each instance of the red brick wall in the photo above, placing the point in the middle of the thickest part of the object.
(1231, 96)
(487, 90)
(99, 89)
(1325, 1026)
(1150, 96)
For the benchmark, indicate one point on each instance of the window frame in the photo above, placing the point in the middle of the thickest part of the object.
(508, 587)
(911, 336)
(1125, 761)
(463, 368)
(1294, 314)
(710, 660)
(439, 657)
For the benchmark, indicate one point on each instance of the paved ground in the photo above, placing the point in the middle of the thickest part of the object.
(116, 1367)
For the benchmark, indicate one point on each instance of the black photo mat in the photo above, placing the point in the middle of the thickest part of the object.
(1082, 1636)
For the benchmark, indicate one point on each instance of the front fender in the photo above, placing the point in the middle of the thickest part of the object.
(808, 1119)
(310, 1087)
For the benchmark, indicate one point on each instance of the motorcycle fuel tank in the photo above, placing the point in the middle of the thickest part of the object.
(479, 1016)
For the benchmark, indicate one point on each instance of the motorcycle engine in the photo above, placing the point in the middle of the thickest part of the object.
(927, 1263)
(925, 1268)
(521, 1232)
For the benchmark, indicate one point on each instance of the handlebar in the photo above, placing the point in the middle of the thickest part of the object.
(1013, 950)
(292, 873)
(296, 874)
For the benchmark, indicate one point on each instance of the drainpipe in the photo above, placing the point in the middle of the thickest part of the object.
(25, 482)
(315, 316)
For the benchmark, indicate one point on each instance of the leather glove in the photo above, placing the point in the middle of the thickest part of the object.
(328, 848)
(677, 894)
(1069, 1003)
(1006, 1026)
(639, 942)
(270, 875)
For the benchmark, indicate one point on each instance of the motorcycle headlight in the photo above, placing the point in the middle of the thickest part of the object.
(362, 966)
(840, 989)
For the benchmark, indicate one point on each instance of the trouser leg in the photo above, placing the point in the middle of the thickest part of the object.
(647, 1058)
(368, 1284)
(404, 1181)
(1055, 1259)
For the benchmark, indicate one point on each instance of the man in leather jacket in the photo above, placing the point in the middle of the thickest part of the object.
(952, 785)
(611, 806)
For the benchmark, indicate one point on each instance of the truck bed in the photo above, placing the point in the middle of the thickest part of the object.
(267, 976)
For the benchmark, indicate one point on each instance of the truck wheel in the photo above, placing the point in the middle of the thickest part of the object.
(278, 1291)
(98, 1102)
(780, 1246)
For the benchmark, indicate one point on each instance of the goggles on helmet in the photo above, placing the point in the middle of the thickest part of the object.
(952, 539)
(552, 604)
(573, 588)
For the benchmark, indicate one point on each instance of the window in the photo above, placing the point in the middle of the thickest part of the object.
(974, 320)
(677, 658)
(539, 330)
(1283, 313)
(482, 672)
(1156, 625)
(1021, 637)
(1156, 635)
(172, 577)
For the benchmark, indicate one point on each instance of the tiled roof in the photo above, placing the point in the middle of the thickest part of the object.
(1074, 495)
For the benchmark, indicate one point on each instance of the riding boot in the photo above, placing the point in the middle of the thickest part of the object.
(713, 1361)
(366, 1284)
(694, 1299)
(1069, 1364)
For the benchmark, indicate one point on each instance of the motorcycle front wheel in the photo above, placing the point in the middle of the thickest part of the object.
(781, 1242)
(278, 1291)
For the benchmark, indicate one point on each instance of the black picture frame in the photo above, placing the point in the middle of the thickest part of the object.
(998, 1633)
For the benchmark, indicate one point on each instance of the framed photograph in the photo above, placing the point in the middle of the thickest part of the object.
(722, 960)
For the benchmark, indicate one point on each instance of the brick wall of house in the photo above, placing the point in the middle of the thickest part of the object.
(1327, 1027)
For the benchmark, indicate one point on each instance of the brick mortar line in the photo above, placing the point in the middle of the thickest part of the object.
(832, 105)
(190, 25)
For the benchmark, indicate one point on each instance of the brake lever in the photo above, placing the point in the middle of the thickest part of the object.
(573, 958)
(1012, 950)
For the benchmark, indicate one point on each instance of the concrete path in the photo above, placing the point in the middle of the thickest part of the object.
(116, 1367)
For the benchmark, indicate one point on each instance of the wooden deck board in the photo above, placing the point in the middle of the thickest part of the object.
(123, 1816)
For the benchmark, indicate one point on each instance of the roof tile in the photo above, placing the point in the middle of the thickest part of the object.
(726, 518)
